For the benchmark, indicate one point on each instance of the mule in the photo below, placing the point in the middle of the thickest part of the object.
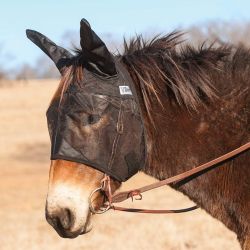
(194, 106)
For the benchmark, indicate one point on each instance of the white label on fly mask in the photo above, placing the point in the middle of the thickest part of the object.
(125, 90)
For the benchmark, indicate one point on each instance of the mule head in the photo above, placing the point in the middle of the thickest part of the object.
(95, 128)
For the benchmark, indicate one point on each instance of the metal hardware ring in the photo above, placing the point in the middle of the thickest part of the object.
(102, 209)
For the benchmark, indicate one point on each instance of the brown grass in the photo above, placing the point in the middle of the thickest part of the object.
(24, 166)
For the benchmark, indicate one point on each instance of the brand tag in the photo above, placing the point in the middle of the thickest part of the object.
(125, 90)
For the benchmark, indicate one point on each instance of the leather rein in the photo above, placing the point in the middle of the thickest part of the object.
(137, 193)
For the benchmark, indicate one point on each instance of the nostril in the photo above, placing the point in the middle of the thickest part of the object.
(66, 218)
(62, 220)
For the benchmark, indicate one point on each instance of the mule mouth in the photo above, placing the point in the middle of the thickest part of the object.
(67, 234)
(72, 234)
(73, 231)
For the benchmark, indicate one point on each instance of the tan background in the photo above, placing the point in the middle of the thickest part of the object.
(24, 166)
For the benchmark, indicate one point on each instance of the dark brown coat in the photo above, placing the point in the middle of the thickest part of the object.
(196, 105)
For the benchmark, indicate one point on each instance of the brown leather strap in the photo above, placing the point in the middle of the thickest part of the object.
(154, 211)
(106, 187)
(121, 196)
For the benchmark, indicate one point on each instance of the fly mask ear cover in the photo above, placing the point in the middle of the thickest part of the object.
(60, 56)
(99, 124)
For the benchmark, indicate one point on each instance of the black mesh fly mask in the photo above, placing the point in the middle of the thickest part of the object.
(97, 121)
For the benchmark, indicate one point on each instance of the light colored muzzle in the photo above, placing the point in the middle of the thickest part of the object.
(67, 210)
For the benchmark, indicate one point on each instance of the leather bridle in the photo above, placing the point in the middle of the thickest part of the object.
(137, 193)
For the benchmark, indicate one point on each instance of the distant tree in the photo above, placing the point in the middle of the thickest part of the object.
(3, 72)
(70, 39)
(26, 72)
(2, 75)
(45, 68)
(229, 32)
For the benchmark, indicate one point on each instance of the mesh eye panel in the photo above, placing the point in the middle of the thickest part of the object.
(98, 123)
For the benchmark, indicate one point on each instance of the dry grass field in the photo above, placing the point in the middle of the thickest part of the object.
(24, 166)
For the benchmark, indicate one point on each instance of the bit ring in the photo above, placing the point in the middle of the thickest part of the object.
(101, 209)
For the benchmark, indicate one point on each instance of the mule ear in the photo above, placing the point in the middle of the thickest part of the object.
(59, 55)
(95, 51)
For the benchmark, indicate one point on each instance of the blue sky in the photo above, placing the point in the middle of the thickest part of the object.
(119, 18)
